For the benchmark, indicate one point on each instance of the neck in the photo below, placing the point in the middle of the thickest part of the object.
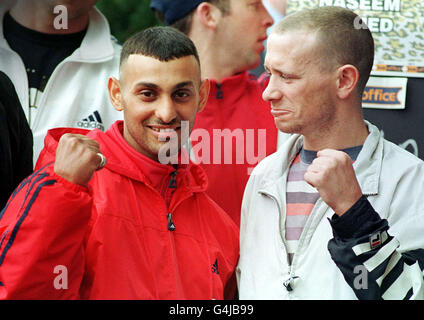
(212, 66)
(345, 133)
(215, 62)
(37, 16)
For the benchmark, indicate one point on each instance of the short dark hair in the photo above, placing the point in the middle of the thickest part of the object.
(184, 24)
(162, 43)
(340, 39)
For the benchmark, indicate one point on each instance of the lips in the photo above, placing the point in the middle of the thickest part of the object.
(163, 132)
(162, 129)
(279, 112)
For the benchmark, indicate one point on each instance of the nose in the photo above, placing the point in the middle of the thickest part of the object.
(166, 110)
(272, 92)
(267, 19)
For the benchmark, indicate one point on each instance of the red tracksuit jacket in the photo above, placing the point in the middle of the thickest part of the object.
(112, 240)
(235, 105)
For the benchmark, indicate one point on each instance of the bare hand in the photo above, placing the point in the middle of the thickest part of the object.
(77, 158)
(332, 174)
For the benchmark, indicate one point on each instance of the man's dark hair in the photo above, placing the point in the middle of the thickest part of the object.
(162, 43)
(184, 24)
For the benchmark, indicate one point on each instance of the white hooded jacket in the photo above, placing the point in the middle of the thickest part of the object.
(76, 89)
(391, 178)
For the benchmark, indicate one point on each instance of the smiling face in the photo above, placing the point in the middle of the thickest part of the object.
(157, 97)
(300, 92)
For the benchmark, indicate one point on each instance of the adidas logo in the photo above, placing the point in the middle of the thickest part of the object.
(93, 121)
(215, 267)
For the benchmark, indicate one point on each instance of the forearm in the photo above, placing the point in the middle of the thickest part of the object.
(368, 257)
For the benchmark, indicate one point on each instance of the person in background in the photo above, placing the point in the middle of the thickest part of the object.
(319, 64)
(15, 141)
(277, 10)
(59, 55)
(235, 130)
(123, 214)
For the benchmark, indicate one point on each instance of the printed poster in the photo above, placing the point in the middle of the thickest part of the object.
(397, 27)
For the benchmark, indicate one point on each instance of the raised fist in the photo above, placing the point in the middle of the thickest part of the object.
(332, 174)
(77, 158)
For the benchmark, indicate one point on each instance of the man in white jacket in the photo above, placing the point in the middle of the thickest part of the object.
(59, 56)
(319, 64)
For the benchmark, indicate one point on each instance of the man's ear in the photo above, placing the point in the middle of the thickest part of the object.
(203, 94)
(208, 14)
(347, 79)
(115, 93)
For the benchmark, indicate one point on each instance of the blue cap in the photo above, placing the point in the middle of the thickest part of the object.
(174, 10)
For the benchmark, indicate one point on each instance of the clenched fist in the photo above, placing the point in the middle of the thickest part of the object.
(77, 157)
(332, 174)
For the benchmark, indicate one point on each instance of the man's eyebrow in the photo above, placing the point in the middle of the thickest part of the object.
(269, 69)
(155, 86)
(286, 73)
(184, 84)
(146, 84)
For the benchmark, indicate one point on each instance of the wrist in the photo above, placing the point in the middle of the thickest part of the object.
(343, 206)
(360, 219)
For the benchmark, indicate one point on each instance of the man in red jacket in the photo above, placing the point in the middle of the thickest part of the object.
(236, 129)
(102, 217)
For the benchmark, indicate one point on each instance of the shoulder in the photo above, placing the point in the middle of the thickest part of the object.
(4, 80)
(10, 104)
(395, 155)
(269, 164)
(261, 81)
(7, 89)
(51, 140)
(117, 46)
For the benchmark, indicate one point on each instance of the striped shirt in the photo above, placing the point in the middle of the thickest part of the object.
(301, 197)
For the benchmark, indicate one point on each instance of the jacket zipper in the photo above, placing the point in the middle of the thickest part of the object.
(171, 227)
(172, 185)
(219, 92)
(286, 283)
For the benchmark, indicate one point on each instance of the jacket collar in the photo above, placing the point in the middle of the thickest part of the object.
(96, 45)
(233, 87)
(367, 166)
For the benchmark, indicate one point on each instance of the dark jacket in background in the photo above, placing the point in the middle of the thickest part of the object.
(15, 141)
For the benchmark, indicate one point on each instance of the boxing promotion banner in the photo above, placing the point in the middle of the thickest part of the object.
(397, 27)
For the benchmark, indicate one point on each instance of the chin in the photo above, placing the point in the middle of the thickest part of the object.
(287, 128)
(255, 64)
